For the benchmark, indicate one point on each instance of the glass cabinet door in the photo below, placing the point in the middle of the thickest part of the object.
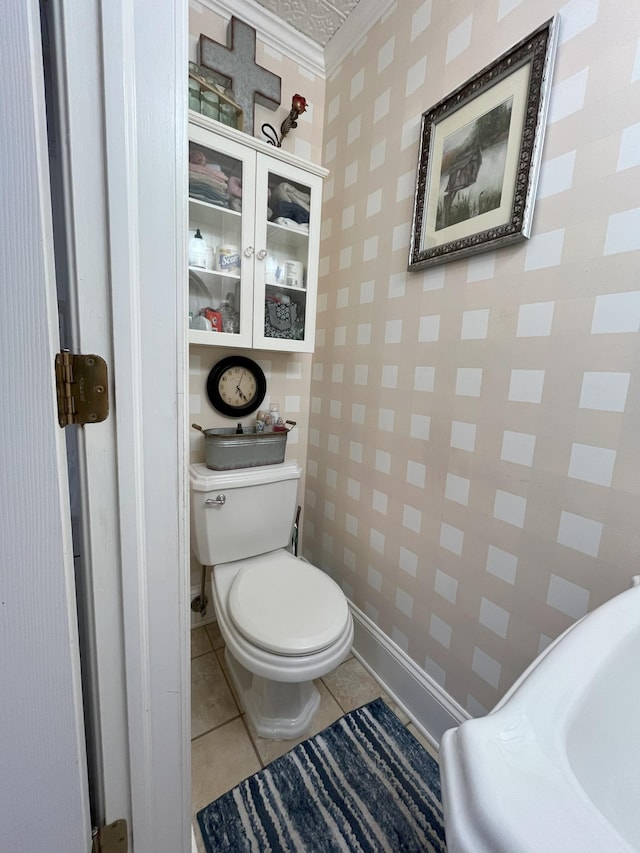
(221, 193)
(287, 239)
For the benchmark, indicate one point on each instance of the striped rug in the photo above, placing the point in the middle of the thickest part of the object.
(362, 784)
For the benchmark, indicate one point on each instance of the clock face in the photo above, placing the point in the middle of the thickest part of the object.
(236, 386)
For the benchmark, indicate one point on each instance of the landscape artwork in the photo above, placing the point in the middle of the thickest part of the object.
(473, 167)
(479, 156)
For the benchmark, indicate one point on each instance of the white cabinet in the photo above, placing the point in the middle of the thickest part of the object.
(253, 280)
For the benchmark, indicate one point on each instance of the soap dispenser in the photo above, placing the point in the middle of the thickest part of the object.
(197, 250)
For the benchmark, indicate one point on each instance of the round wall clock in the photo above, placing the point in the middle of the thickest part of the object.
(236, 386)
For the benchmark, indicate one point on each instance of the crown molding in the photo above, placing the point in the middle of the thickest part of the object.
(273, 31)
(356, 26)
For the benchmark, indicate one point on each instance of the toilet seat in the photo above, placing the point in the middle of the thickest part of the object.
(286, 606)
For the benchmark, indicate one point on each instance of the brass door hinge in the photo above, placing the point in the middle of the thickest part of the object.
(111, 838)
(83, 392)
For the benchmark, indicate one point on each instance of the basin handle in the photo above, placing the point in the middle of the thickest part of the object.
(219, 500)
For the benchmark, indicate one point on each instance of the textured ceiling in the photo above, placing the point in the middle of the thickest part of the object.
(318, 19)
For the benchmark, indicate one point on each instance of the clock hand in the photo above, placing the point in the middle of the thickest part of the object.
(238, 387)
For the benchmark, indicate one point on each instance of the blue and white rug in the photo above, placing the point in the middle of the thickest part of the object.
(363, 784)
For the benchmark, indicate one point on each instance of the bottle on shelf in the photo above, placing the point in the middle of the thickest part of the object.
(229, 314)
(274, 414)
(197, 251)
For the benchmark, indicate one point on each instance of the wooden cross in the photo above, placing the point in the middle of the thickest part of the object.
(237, 62)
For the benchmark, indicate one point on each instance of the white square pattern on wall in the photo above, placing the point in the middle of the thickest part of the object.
(483, 415)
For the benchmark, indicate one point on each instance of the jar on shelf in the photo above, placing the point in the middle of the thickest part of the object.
(230, 317)
(227, 114)
(194, 95)
(210, 105)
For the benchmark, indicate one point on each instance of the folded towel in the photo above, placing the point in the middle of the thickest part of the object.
(291, 223)
(197, 156)
(212, 171)
(235, 186)
(290, 210)
(207, 180)
(204, 192)
(286, 192)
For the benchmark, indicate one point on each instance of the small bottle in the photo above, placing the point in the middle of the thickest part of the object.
(229, 314)
(274, 412)
(197, 251)
(239, 430)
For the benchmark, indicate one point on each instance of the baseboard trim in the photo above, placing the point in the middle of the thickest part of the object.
(428, 706)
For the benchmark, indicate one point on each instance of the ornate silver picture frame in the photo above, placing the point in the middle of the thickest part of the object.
(479, 158)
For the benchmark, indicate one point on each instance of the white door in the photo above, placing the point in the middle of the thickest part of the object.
(121, 70)
(118, 163)
(44, 793)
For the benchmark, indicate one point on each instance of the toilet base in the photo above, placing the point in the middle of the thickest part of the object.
(276, 709)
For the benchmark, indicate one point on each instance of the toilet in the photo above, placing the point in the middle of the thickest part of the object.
(284, 621)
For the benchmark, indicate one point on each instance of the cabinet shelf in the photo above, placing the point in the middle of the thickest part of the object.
(219, 208)
(212, 214)
(274, 284)
(217, 273)
(286, 239)
(290, 229)
(202, 338)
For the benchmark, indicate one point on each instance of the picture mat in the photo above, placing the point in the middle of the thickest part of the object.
(516, 85)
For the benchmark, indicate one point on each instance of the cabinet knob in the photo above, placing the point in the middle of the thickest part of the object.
(262, 254)
(248, 251)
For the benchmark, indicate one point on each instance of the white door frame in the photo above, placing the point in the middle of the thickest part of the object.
(122, 69)
(44, 791)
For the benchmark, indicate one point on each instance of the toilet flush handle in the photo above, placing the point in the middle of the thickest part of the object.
(219, 500)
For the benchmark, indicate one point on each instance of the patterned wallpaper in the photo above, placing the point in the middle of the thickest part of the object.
(473, 476)
(288, 375)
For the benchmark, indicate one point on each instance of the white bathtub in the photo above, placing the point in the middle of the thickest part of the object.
(556, 765)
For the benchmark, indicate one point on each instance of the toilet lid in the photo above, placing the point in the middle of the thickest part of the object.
(287, 606)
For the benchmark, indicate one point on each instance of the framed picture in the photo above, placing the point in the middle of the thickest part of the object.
(479, 158)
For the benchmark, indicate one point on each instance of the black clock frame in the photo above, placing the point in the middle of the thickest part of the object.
(213, 380)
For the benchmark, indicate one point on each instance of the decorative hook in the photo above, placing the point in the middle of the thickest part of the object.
(272, 136)
(298, 106)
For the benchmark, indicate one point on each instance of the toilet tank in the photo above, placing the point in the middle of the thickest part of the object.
(251, 511)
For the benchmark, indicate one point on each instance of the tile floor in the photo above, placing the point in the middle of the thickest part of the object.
(223, 749)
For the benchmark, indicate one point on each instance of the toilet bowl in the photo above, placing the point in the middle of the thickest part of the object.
(262, 602)
(284, 621)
